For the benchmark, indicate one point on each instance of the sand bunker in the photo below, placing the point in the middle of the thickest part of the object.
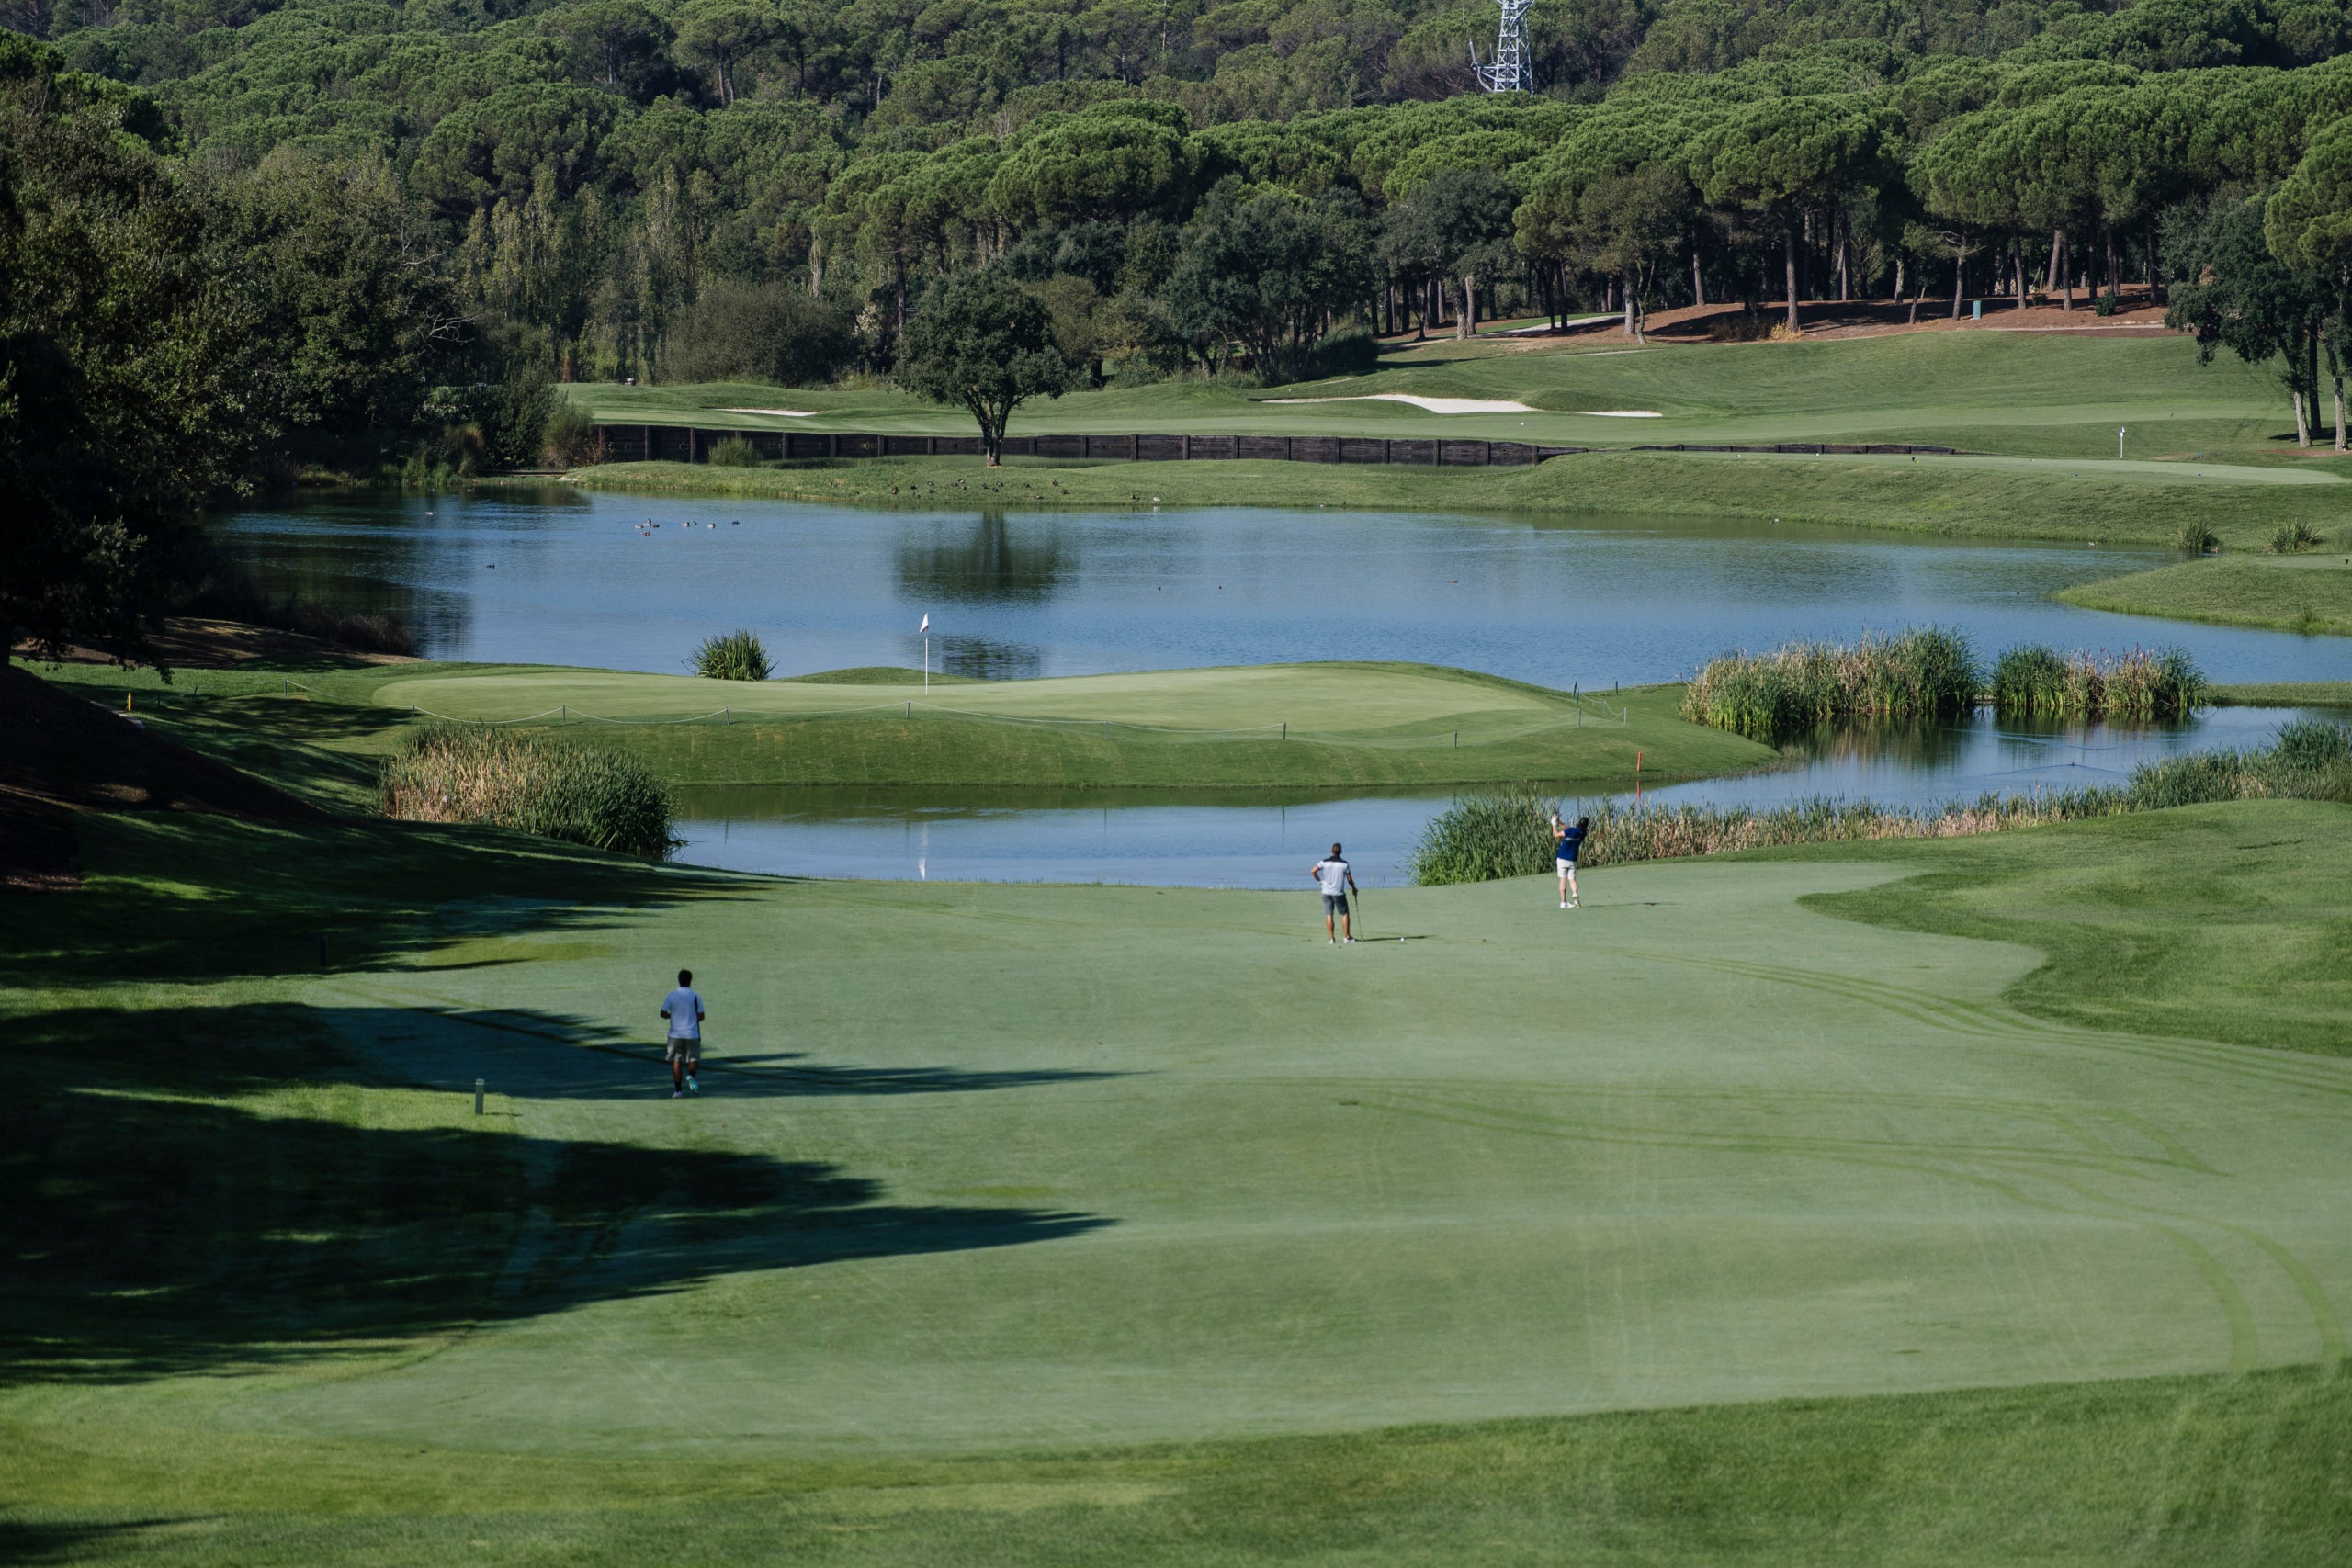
(1617, 413)
(1433, 405)
(780, 413)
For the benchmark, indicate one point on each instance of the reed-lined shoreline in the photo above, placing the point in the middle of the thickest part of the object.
(1483, 838)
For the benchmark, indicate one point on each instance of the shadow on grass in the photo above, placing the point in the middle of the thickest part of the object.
(30, 1543)
(217, 897)
(163, 1212)
(540, 1056)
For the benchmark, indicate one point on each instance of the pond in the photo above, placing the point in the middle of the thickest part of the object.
(1246, 839)
(564, 577)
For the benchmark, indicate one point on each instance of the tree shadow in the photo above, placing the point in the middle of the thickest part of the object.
(164, 1214)
(276, 899)
(530, 1054)
(23, 1543)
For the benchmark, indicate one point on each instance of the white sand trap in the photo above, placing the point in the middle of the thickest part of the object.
(1433, 405)
(780, 413)
(1617, 413)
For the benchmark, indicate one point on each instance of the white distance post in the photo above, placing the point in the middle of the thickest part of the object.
(2118, 442)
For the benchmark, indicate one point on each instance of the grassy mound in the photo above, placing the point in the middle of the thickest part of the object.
(2298, 594)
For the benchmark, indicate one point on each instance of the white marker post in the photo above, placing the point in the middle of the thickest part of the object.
(2118, 442)
(924, 632)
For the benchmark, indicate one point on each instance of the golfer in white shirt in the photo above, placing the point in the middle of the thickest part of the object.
(682, 1008)
(1334, 877)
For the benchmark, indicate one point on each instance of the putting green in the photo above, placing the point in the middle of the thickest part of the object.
(1304, 725)
(1122, 1165)
(1351, 699)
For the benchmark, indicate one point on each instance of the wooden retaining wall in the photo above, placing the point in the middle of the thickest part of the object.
(684, 444)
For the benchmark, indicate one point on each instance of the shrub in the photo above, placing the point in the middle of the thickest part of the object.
(736, 656)
(2107, 304)
(2040, 683)
(734, 452)
(2197, 539)
(1926, 673)
(2293, 539)
(1351, 350)
(532, 783)
(571, 440)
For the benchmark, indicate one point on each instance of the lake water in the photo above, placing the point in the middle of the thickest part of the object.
(564, 577)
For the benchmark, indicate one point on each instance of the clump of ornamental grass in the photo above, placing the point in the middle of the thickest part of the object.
(2197, 539)
(1926, 673)
(532, 783)
(734, 655)
(2035, 681)
(1483, 838)
(2293, 539)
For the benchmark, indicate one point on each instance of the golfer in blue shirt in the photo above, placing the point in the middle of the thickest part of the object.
(1566, 840)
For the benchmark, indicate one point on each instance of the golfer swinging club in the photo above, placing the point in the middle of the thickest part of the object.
(682, 1008)
(1336, 880)
(1568, 840)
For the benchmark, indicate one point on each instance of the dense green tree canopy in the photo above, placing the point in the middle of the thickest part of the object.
(981, 343)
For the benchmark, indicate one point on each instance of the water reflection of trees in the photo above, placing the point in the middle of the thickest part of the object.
(382, 571)
(987, 660)
(1913, 744)
(989, 562)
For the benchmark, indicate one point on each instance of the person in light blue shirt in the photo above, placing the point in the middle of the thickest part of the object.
(682, 1008)
(1567, 839)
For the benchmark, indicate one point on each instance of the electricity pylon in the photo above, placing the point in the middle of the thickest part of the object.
(1507, 71)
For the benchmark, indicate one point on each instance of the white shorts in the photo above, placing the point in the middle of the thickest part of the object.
(1566, 866)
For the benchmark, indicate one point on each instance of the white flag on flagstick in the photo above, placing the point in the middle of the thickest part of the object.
(925, 627)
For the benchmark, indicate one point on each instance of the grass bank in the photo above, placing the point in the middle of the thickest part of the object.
(2298, 594)
(2138, 503)
(1304, 725)
(1483, 838)
(1369, 725)
(2047, 396)
(1050, 1225)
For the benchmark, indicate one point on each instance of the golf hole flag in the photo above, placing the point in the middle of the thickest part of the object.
(923, 628)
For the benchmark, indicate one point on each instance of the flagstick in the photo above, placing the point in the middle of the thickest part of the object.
(926, 667)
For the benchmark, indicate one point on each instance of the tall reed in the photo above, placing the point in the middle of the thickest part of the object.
(1925, 672)
(2032, 680)
(1483, 838)
(579, 794)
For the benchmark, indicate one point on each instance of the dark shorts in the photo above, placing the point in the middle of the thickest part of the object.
(684, 1050)
(1335, 903)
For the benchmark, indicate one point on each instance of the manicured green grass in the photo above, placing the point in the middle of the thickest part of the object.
(2037, 415)
(2004, 498)
(1056, 1224)
(2027, 394)
(2285, 693)
(2301, 592)
(1348, 725)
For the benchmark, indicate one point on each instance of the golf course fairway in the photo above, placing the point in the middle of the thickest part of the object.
(1046, 1225)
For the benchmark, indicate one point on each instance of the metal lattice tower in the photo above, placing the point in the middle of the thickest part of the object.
(1507, 71)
